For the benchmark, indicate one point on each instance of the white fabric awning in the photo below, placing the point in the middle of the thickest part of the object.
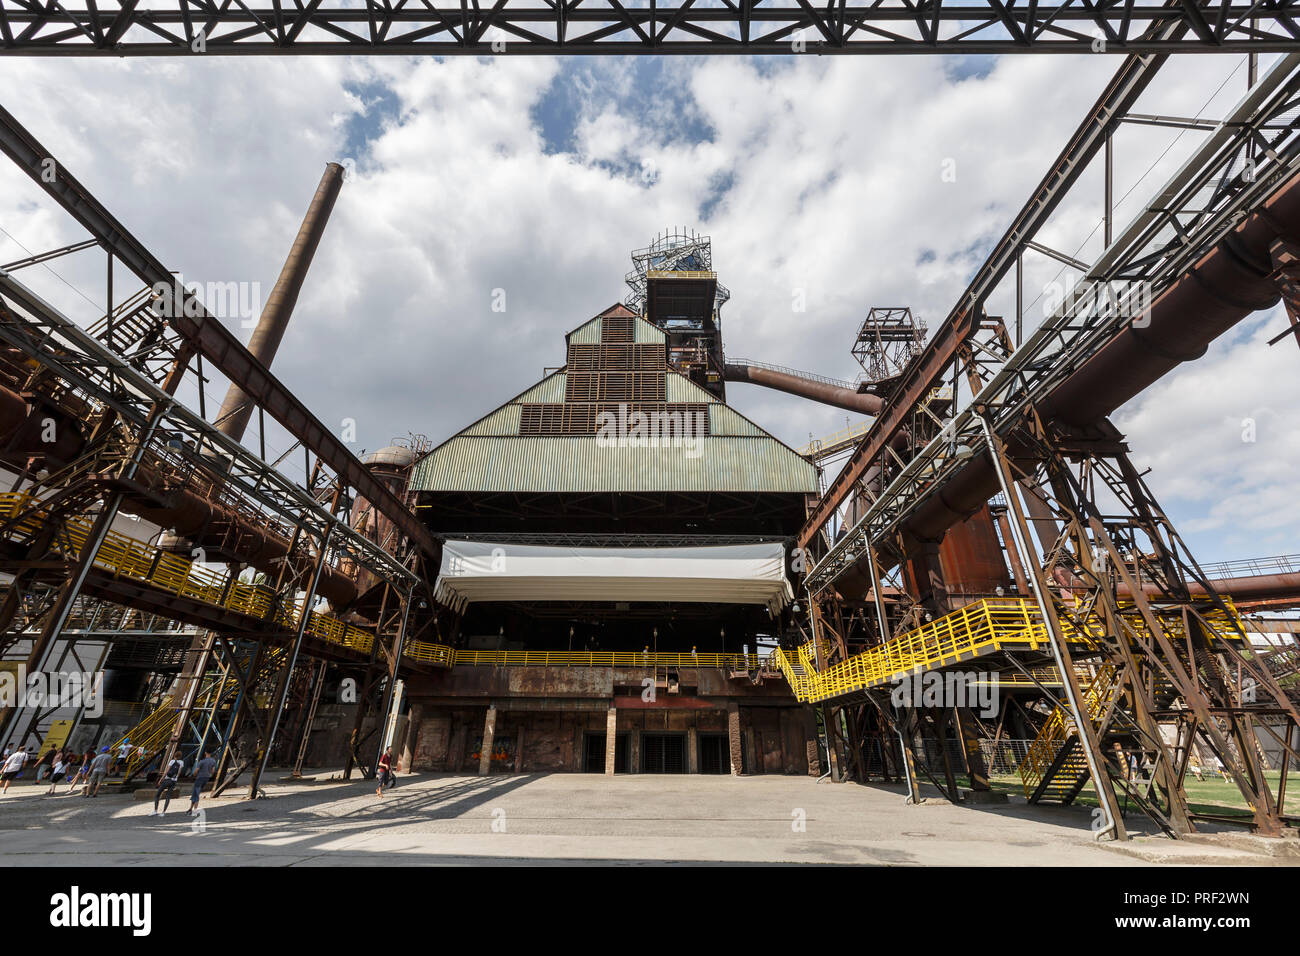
(732, 574)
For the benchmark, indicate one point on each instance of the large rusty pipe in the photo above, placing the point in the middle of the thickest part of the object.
(1228, 283)
(1231, 281)
(238, 407)
(823, 392)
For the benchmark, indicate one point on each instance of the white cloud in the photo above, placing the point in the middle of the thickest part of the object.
(834, 170)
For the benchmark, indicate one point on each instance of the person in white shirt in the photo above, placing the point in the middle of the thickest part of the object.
(57, 772)
(13, 766)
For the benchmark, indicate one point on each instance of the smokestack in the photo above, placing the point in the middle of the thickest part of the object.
(238, 408)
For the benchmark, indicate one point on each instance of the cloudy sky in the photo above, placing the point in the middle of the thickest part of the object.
(817, 178)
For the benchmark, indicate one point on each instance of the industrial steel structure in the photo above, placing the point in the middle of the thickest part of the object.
(616, 571)
(195, 28)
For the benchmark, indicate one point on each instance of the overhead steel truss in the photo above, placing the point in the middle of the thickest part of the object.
(505, 27)
(1201, 203)
(191, 321)
(37, 329)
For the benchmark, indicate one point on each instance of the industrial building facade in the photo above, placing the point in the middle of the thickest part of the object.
(620, 531)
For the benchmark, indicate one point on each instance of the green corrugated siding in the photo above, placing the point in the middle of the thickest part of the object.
(504, 421)
(724, 420)
(586, 334)
(580, 465)
(681, 389)
(550, 389)
(643, 331)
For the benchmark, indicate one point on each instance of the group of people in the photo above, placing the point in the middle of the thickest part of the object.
(86, 770)
(89, 770)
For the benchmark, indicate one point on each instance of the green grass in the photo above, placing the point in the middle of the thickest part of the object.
(1211, 795)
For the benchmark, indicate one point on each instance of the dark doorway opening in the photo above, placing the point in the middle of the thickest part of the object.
(593, 753)
(715, 755)
(663, 753)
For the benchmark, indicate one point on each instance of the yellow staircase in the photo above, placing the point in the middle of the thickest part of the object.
(150, 735)
(1054, 768)
(981, 628)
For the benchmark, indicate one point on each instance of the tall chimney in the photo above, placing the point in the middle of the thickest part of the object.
(238, 407)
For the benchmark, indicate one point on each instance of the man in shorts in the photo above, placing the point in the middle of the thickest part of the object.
(99, 768)
(13, 766)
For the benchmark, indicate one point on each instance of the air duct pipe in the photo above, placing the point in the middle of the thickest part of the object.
(792, 384)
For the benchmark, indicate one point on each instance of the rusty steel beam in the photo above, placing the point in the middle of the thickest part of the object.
(930, 367)
(216, 343)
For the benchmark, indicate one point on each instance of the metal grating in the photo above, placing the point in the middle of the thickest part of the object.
(584, 418)
(616, 329)
(620, 358)
(614, 387)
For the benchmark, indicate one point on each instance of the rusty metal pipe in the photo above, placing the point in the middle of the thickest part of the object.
(1229, 283)
(238, 407)
(810, 388)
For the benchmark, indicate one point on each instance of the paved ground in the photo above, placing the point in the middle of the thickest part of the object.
(572, 818)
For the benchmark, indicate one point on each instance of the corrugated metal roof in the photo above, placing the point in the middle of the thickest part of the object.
(643, 331)
(586, 334)
(504, 421)
(549, 389)
(679, 388)
(724, 420)
(538, 464)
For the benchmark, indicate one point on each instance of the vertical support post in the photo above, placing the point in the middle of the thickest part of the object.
(1020, 298)
(611, 739)
(1109, 214)
(489, 738)
(692, 750)
(303, 617)
(390, 690)
(733, 738)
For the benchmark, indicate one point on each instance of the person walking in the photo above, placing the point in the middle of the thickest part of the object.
(123, 754)
(385, 773)
(57, 771)
(203, 772)
(166, 782)
(12, 767)
(99, 768)
(82, 774)
(46, 764)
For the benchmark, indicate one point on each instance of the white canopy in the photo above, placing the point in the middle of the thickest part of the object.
(732, 574)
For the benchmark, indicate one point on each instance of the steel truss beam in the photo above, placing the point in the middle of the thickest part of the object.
(36, 328)
(512, 27)
(201, 331)
(1172, 658)
(1205, 199)
(931, 368)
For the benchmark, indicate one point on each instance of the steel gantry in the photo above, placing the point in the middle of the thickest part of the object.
(1137, 630)
(222, 27)
(124, 441)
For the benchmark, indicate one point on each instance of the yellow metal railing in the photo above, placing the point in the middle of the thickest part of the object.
(852, 433)
(979, 628)
(176, 574)
(603, 659)
(1041, 753)
(679, 274)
